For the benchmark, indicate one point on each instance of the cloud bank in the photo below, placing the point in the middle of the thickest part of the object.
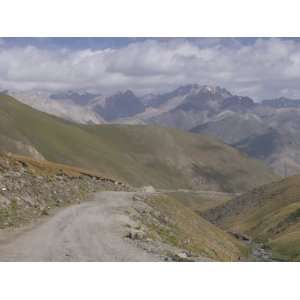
(261, 69)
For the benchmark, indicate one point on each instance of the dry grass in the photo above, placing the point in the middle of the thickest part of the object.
(45, 167)
(269, 214)
(180, 226)
(201, 201)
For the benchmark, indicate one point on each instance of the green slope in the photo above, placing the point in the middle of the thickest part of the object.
(178, 225)
(269, 214)
(139, 155)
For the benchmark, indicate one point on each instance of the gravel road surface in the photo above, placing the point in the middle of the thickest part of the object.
(90, 231)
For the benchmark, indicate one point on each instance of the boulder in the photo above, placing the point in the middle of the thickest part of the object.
(135, 235)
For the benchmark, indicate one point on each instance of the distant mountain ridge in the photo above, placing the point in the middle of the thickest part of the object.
(80, 98)
(197, 99)
(123, 104)
(211, 110)
(282, 102)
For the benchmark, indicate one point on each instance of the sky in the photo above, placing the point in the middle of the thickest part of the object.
(261, 68)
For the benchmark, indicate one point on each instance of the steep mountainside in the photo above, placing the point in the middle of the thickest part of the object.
(82, 98)
(232, 127)
(198, 104)
(70, 106)
(120, 105)
(269, 214)
(83, 107)
(268, 131)
(242, 123)
(279, 148)
(211, 110)
(139, 155)
(170, 222)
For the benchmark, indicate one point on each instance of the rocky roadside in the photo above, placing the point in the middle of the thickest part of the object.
(151, 230)
(29, 191)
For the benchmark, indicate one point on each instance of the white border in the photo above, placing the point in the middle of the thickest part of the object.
(149, 281)
(134, 18)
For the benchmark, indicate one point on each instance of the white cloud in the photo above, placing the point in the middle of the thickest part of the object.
(265, 68)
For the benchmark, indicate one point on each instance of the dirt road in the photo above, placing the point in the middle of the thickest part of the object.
(91, 231)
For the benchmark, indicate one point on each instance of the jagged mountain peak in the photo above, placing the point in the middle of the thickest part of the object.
(211, 89)
(125, 93)
(197, 88)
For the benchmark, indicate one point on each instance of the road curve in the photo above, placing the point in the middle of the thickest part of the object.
(91, 231)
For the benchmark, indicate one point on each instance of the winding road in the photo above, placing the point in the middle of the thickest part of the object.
(91, 231)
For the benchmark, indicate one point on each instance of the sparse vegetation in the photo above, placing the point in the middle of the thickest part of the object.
(29, 188)
(201, 201)
(269, 214)
(177, 225)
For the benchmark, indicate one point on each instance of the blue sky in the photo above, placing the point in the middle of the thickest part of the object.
(70, 43)
(108, 42)
(257, 67)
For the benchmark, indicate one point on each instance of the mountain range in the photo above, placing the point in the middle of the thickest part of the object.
(236, 120)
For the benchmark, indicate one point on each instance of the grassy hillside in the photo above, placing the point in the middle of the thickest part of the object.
(201, 201)
(178, 225)
(139, 155)
(269, 214)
